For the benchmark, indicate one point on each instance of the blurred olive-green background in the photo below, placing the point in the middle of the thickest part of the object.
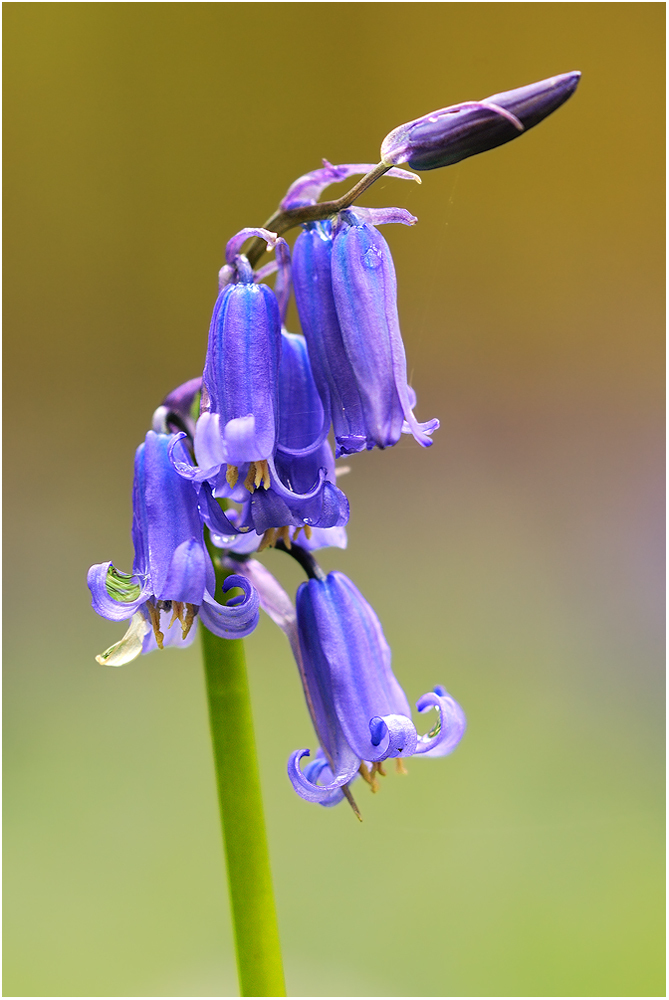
(517, 562)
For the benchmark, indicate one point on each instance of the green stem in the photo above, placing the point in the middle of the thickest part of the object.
(249, 876)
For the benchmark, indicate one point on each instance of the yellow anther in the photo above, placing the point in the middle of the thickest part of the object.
(188, 619)
(268, 539)
(250, 478)
(232, 475)
(399, 766)
(177, 612)
(363, 771)
(377, 768)
(284, 533)
(154, 615)
(261, 474)
(307, 531)
(296, 533)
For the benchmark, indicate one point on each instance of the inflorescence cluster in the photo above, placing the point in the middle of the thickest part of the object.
(240, 458)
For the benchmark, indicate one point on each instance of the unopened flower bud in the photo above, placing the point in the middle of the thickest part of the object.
(454, 133)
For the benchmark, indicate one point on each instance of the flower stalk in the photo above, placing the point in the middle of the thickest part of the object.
(285, 219)
(245, 841)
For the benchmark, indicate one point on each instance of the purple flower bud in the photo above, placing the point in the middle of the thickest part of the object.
(360, 712)
(451, 134)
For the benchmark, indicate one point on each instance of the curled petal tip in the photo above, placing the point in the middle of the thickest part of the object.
(235, 244)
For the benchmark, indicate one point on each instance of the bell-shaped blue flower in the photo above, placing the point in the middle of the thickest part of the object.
(346, 295)
(239, 411)
(303, 494)
(333, 372)
(172, 576)
(299, 491)
(360, 712)
(365, 293)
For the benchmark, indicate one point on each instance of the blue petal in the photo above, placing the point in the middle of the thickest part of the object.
(303, 420)
(242, 368)
(450, 728)
(347, 663)
(312, 792)
(392, 736)
(170, 517)
(103, 603)
(232, 622)
(320, 768)
(365, 294)
(332, 370)
(186, 574)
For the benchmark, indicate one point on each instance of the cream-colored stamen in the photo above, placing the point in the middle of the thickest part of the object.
(363, 771)
(268, 539)
(377, 768)
(399, 766)
(177, 612)
(284, 533)
(250, 477)
(154, 615)
(232, 475)
(262, 474)
(188, 619)
(307, 531)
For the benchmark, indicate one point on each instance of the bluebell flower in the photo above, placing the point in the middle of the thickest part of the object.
(346, 295)
(288, 483)
(359, 711)
(300, 493)
(446, 136)
(172, 577)
(239, 409)
(303, 492)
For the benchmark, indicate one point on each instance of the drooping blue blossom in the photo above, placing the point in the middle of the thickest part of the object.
(359, 711)
(239, 410)
(303, 494)
(346, 295)
(292, 486)
(451, 134)
(365, 293)
(172, 577)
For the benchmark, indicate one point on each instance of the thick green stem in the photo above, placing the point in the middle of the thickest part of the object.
(249, 876)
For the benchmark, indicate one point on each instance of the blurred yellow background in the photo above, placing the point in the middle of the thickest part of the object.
(518, 561)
